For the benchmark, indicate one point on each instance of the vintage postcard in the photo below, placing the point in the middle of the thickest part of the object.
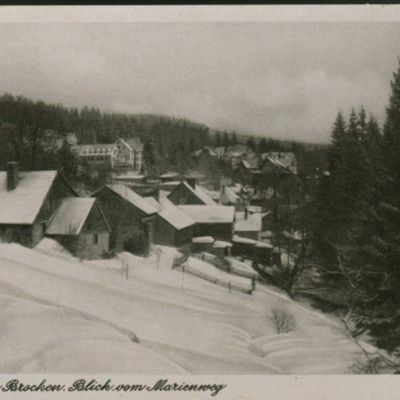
(200, 202)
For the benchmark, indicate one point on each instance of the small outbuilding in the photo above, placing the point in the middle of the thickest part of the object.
(216, 221)
(79, 225)
(173, 227)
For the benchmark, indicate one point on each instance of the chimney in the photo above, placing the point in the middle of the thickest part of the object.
(192, 182)
(12, 175)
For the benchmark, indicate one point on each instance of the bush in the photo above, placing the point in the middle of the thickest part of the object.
(282, 320)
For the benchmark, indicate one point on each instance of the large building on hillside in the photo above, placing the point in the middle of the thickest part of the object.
(124, 154)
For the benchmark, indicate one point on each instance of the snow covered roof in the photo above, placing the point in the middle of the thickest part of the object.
(70, 216)
(253, 222)
(170, 175)
(153, 202)
(254, 209)
(239, 239)
(163, 193)
(21, 205)
(220, 244)
(213, 194)
(203, 239)
(296, 235)
(165, 203)
(134, 143)
(286, 160)
(128, 176)
(209, 214)
(251, 163)
(264, 245)
(201, 194)
(133, 198)
(175, 217)
(228, 195)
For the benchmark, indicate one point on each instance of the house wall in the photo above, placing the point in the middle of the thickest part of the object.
(127, 223)
(16, 233)
(183, 196)
(221, 231)
(166, 234)
(87, 246)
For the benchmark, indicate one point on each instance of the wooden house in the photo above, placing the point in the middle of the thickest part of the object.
(79, 225)
(130, 216)
(189, 193)
(216, 221)
(173, 228)
(248, 224)
(28, 201)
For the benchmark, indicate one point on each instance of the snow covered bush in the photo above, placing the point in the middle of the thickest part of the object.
(283, 321)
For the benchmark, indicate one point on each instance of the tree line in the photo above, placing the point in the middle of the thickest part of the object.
(356, 221)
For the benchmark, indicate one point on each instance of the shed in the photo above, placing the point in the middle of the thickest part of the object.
(216, 221)
(173, 227)
(80, 226)
(248, 224)
(202, 243)
(186, 194)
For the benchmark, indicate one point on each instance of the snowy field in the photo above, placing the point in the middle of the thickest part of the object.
(62, 315)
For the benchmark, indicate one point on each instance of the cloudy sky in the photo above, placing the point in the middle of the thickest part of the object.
(279, 79)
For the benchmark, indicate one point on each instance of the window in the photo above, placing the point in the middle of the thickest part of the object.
(96, 238)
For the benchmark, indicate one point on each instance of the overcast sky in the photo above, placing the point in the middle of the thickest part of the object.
(283, 79)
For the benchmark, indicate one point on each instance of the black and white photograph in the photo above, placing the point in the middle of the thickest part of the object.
(200, 191)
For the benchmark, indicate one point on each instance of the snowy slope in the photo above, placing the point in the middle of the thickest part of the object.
(58, 312)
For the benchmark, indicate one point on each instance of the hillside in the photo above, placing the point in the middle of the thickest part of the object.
(86, 317)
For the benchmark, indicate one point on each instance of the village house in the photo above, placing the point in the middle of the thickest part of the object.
(229, 197)
(79, 225)
(189, 193)
(174, 228)
(279, 162)
(131, 218)
(123, 155)
(248, 224)
(211, 220)
(28, 201)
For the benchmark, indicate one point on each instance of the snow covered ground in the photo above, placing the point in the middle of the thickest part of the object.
(62, 315)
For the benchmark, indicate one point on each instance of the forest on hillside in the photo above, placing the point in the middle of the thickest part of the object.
(168, 142)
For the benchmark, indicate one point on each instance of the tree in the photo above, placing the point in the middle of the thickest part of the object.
(263, 146)
(234, 140)
(226, 140)
(251, 144)
(218, 139)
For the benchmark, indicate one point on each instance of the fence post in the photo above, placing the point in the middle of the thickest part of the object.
(229, 286)
(183, 275)
(253, 283)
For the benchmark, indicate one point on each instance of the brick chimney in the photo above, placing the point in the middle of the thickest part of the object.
(12, 175)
